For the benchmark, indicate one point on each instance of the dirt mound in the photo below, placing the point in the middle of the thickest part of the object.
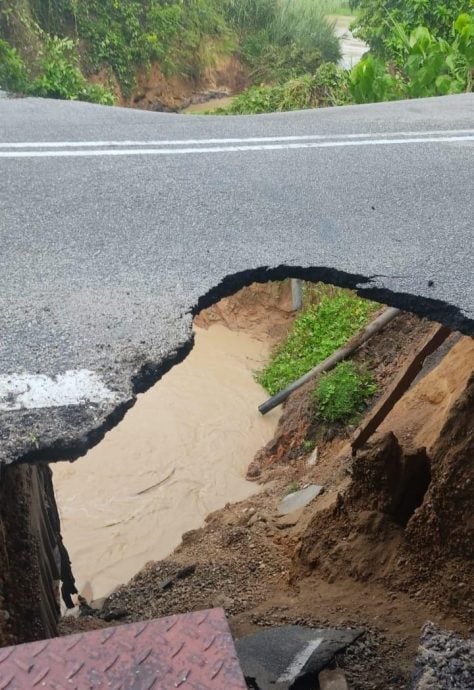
(406, 516)
(263, 310)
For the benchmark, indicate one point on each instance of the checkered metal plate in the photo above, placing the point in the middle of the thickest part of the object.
(194, 651)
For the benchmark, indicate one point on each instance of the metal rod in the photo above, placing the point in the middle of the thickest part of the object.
(374, 327)
(297, 293)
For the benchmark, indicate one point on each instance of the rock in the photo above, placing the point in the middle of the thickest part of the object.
(113, 615)
(444, 661)
(313, 458)
(332, 680)
(187, 571)
(223, 601)
(164, 585)
(299, 499)
(290, 520)
(274, 659)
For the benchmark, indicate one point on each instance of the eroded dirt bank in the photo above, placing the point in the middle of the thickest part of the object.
(386, 547)
(154, 91)
(32, 556)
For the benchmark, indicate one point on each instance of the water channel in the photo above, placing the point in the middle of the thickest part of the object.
(179, 454)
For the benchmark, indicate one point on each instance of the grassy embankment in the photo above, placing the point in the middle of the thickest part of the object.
(57, 49)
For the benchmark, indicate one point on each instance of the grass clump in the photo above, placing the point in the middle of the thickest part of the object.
(341, 395)
(317, 332)
(328, 86)
(281, 39)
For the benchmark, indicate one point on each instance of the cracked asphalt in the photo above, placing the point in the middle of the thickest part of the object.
(116, 225)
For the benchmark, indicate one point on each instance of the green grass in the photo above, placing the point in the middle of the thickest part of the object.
(341, 395)
(318, 331)
(336, 7)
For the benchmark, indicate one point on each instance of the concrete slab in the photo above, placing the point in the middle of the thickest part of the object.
(299, 499)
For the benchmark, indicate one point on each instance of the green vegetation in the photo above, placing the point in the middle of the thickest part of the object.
(426, 66)
(424, 61)
(341, 395)
(56, 45)
(12, 68)
(58, 73)
(282, 39)
(60, 76)
(328, 86)
(319, 330)
(376, 20)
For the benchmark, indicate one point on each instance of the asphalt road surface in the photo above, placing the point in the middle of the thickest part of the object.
(116, 225)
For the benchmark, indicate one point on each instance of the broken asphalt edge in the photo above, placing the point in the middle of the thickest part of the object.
(85, 426)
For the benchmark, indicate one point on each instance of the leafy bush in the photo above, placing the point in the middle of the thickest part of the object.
(13, 76)
(272, 63)
(60, 76)
(328, 86)
(376, 20)
(317, 332)
(341, 394)
(430, 66)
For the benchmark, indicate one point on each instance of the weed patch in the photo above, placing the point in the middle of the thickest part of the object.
(317, 332)
(341, 395)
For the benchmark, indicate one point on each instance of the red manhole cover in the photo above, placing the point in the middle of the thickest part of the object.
(191, 652)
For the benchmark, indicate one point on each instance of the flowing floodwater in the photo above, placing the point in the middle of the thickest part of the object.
(179, 454)
(352, 48)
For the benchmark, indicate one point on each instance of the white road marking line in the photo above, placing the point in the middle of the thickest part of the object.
(230, 149)
(199, 142)
(37, 391)
(297, 663)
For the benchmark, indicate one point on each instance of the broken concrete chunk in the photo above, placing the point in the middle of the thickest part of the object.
(332, 680)
(276, 658)
(299, 499)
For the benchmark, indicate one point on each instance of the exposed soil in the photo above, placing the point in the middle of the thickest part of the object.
(249, 309)
(154, 91)
(386, 547)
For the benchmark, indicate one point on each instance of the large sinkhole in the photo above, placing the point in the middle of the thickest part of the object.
(190, 444)
(318, 510)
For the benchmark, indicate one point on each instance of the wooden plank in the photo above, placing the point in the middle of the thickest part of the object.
(399, 387)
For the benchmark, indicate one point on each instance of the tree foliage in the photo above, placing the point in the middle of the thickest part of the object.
(376, 20)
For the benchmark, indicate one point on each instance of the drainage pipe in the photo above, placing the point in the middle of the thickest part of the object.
(362, 337)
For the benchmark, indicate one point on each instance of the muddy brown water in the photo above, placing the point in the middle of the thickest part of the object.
(179, 454)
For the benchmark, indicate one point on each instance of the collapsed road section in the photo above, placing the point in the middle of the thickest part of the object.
(117, 225)
(110, 244)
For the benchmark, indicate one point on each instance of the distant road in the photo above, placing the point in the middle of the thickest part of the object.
(117, 224)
